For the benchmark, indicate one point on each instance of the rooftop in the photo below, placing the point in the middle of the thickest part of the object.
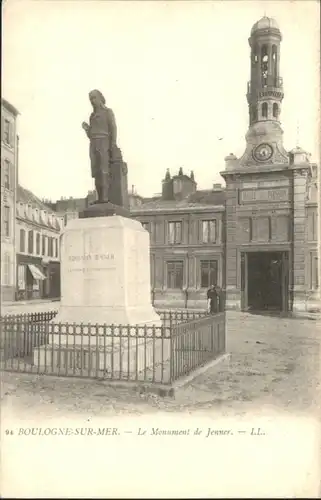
(26, 196)
(200, 199)
(265, 23)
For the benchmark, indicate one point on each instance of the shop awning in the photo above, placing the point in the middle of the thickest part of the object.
(36, 273)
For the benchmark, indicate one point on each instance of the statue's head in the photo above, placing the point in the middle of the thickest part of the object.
(96, 98)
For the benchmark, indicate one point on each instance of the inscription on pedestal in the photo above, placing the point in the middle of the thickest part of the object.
(79, 258)
(90, 258)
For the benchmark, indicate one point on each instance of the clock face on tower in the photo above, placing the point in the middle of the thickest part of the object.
(263, 152)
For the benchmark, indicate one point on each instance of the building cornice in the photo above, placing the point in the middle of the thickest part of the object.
(37, 225)
(181, 210)
(9, 107)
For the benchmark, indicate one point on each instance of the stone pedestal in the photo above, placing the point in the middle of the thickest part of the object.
(105, 279)
(105, 273)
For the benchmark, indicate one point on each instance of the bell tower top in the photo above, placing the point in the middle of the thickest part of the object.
(264, 149)
(265, 89)
(264, 138)
(265, 23)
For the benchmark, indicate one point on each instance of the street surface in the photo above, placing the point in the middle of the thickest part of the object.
(259, 419)
(275, 364)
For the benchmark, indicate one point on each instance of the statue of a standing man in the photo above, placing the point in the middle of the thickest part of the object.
(102, 133)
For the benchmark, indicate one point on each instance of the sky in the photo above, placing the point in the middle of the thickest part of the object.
(174, 73)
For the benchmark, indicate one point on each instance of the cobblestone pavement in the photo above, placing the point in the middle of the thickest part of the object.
(275, 365)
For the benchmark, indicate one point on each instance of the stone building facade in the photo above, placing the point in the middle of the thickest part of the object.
(257, 237)
(271, 198)
(38, 231)
(9, 173)
(186, 230)
(266, 247)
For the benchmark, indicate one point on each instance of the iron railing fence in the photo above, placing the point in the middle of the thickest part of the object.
(195, 343)
(33, 343)
(171, 317)
(38, 317)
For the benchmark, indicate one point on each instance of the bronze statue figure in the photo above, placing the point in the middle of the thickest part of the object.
(102, 133)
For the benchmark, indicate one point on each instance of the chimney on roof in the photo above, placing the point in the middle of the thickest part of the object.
(180, 172)
(192, 176)
(230, 161)
(167, 187)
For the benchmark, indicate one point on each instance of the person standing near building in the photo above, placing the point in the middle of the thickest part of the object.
(213, 299)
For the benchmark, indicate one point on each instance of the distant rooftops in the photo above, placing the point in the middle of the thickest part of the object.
(26, 196)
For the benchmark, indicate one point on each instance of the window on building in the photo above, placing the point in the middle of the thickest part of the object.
(21, 210)
(175, 274)
(6, 180)
(50, 246)
(264, 65)
(6, 221)
(209, 231)
(7, 131)
(209, 270)
(174, 232)
(55, 243)
(275, 110)
(274, 64)
(30, 242)
(22, 240)
(38, 244)
(264, 110)
(6, 275)
(44, 245)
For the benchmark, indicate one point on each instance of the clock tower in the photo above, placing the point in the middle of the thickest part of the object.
(267, 256)
(264, 139)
